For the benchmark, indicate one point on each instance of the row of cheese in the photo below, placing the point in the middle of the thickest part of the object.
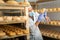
(54, 22)
(11, 31)
(57, 23)
(13, 2)
(13, 18)
(50, 33)
(50, 10)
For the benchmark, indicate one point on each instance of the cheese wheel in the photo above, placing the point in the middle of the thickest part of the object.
(50, 10)
(55, 9)
(8, 18)
(2, 34)
(48, 22)
(5, 17)
(18, 32)
(58, 9)
(26, 3)
(10, 33)
(25, 31)
(51, 33)
(58, 23)
(16, 18)
(51, 22)
(1, 19)
(2, 2)
(12, 2)
(55, 23)
(56, 35)
(24, 18)
(47, 33)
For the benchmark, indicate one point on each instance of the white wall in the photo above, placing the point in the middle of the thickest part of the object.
(55, 3)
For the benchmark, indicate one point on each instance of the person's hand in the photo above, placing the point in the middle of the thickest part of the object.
(39, 18)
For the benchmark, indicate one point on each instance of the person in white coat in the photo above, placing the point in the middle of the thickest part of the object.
(35, 33)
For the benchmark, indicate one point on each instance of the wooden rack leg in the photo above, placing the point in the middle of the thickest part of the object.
(28, 38)
(17, 39)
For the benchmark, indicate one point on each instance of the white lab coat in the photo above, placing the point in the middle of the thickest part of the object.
(36, 14)
(35, 33)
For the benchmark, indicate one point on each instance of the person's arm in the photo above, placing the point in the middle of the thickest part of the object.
(38, 21)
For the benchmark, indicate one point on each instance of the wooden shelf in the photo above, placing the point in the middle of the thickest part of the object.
(50, 24)
(11, 22)
(7, 6)
(12, 36)
(50, 33)
(15, 7)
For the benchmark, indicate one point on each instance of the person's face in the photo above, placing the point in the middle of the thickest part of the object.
(30, 9)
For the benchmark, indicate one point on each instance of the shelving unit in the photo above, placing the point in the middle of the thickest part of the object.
(51, 29)
(50, 10)
(16, 7)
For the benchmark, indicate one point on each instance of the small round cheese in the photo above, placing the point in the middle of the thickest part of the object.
(55, 23)
(2, 2)
(50, 10)
(8, 18)
(58, 23)
(16, 18)
(25, 3)
(55, 9)
(58, 9)
(2, 34)
(10, 33)
(1, 19)
(12, 2)
(51, 22)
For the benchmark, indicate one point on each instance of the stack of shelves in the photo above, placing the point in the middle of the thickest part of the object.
(14, 7)
(50, 29)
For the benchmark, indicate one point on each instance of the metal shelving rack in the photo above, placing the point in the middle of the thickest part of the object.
(14, 7)
(51, 30)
